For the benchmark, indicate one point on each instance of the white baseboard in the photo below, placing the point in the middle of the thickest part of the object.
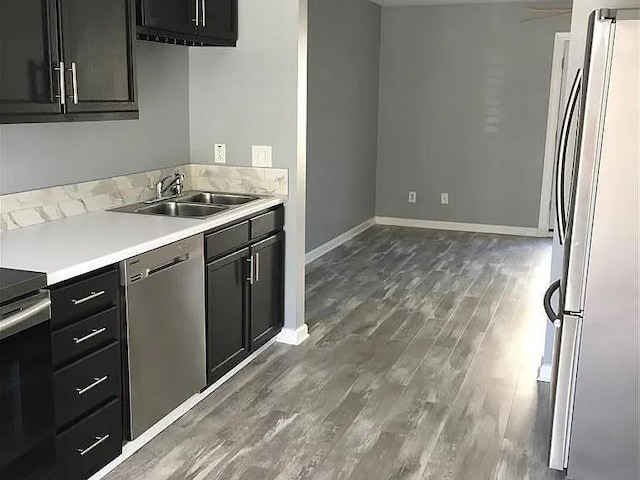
(544, 373)
(133, 446)
(336, 242)
(292, 336)
(462, 227)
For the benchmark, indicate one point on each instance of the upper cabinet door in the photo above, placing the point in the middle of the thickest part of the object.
(97, 45)
(29, 83)
(170, 15)
(219, 20)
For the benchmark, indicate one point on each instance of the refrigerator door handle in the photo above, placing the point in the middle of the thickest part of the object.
(548, 308)
(561, 156)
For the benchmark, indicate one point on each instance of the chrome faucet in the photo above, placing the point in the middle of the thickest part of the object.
(176, 186)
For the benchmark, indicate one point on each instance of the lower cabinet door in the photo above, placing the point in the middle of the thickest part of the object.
(267, 291)
(90, 444)
(227, 313)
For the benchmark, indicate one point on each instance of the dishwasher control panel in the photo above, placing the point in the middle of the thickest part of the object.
(147, 264)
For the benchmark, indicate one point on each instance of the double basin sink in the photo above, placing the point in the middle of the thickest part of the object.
(189, 204)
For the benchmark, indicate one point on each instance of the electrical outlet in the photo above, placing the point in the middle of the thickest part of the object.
(412, 197)
(220, 153)
(444, 198)
(261, 155)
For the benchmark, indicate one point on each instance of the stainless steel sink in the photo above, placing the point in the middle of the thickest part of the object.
(179, 209)
(216, 198)
(173, 209)
(192, 204)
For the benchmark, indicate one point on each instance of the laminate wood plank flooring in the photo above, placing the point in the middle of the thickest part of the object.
(421, 364)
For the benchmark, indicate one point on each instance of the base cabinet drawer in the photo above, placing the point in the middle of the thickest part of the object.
(267, 223)
(85, 384)
(84, 336)
(83, 298)
(226, 240)
(90, 444)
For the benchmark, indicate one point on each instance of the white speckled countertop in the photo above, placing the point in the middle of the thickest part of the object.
(73, 246)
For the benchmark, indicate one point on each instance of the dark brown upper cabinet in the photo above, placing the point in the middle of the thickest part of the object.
(189, 22)
(67, 60)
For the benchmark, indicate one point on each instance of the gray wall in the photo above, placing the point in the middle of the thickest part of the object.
(249, 95)
(43, 155)
(463, 107)
(344, 61)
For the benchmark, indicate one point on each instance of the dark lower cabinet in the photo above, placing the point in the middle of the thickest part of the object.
(267, 291)
(87, 378)
(245, 291)
(90, 444)
(227, 314)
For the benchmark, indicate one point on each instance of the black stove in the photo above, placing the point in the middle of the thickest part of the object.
(27, 427)
(17, 283)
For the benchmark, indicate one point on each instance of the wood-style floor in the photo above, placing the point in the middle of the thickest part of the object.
(421, 365)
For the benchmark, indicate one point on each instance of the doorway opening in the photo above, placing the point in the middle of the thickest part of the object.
(557, 95)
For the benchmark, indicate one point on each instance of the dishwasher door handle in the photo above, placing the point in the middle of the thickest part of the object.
(176, 261)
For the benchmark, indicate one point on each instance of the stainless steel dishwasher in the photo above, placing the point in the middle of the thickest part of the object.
(165, 314)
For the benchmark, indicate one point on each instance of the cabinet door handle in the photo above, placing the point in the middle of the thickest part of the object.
(250, 279)
(91, 296)
(99, 440)
(98, 381)
(204, 15)
(94, 333)
(63, 93)
(197, 19)
(257, 267)
(74, 82)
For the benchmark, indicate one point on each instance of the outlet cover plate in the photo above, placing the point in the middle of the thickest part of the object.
(412, 197)
(220, 153)
(444, 198)
(261, 155)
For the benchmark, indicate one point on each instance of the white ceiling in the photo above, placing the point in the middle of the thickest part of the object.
(392, 3)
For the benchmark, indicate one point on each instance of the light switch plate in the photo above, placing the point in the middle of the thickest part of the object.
(220, 153)
(261, 155)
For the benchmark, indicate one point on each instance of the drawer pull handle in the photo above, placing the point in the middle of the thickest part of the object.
(99, 440)
(98, 381)
(89, 297)
(94, 333)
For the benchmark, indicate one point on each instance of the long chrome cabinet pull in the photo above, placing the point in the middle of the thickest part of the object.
(94, 333)
(98, 381)
(99, 440)
(197, 19)
(257, 267)
(63, 92)
(204, 15)
(89, 297)
(251, 278)
(74, 82)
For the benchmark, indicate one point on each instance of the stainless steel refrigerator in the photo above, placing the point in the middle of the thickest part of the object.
(595, 400)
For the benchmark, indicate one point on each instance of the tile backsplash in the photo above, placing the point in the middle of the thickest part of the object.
(262, 181)
(22, 209)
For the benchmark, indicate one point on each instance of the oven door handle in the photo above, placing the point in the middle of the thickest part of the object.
(25, 318)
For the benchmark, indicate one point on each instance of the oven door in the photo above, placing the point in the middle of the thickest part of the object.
(27, 428)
